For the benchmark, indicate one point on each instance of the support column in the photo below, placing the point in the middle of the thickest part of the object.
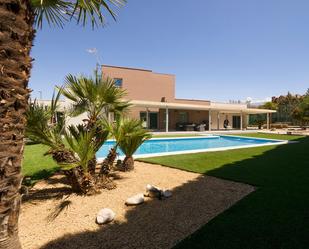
(241, 121)
(166, 119)
(147, 117)
(218, 120)
(209, 120)
(268, 121)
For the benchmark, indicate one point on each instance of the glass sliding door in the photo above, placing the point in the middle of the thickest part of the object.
(153, 120)
(236, 122)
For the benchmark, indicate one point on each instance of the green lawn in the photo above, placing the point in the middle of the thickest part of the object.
(35, 164)
(276, 215)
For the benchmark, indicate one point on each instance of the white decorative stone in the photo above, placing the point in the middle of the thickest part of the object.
(135, 200)
(153, 191)
(167, 193)
(105, 215)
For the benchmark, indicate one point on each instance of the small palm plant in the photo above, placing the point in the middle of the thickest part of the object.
(84, 143)
(72, 151)
(129, 137)
(113, 128)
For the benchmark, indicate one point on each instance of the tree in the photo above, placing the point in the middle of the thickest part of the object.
(71, 148)
(301, 112)
(17, 19)
(269, 105)
(285, 106)
(130, 135)
(97, 96)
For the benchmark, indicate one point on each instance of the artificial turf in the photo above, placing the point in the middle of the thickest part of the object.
(36, 166)
(275, 216)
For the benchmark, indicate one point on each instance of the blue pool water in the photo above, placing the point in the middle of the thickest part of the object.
(154, 146)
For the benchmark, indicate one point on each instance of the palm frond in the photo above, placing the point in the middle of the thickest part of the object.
(55, 12)
(129, 135)
(82, 144)
(58, 12)
(39, 128)
(95, 95)
(101, 135)
(54, 102)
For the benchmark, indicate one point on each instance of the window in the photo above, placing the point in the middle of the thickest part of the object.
(143, 116)
(118, 82)
(183, 117)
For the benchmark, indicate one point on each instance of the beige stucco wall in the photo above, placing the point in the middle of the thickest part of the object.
(143, 84)
(229, 117)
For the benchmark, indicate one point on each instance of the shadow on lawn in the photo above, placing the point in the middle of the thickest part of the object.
(274, 216)
(39, 175)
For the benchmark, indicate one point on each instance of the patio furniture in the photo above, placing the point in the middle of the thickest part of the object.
(180, 126)
(200, 127)
(189, 127)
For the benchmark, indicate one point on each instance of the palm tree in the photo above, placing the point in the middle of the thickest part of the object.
(115, 130)
(72, 151)
(17, 32)
(97, 96)
(130, 137)
(84, 146)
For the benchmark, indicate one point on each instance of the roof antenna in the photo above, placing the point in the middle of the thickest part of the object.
(95, 52)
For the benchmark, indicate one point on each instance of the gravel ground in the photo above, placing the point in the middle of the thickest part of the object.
(51, 217)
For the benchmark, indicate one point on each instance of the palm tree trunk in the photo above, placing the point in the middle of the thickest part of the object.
(128, 163)
(108, 162)
(16, 37)
(81, 182)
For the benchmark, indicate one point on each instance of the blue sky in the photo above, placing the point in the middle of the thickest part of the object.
(218, 49)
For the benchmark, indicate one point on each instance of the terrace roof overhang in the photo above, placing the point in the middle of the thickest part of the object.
(226, 108)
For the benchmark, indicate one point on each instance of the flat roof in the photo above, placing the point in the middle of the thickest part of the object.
(227, 108)
(129, 68)
(198, 100)
(135, 68)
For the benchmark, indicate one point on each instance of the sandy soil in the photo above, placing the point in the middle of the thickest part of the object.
(51, 217)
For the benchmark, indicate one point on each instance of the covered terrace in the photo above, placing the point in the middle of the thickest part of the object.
(214, 116)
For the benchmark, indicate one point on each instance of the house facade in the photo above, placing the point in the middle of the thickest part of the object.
(153, 100)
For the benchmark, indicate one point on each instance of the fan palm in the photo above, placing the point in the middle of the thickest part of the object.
(97, 96)
(130, 136)
(72, 151)
(82, 142)
(41, 127)
(115, 130)
(18, 20)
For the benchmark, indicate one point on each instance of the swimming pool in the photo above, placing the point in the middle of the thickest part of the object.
(172, 146)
